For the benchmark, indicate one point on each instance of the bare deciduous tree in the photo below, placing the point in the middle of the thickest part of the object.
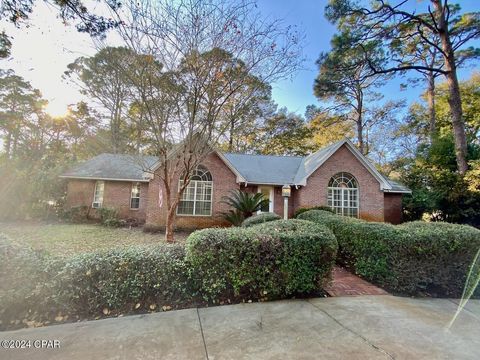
(197, 55)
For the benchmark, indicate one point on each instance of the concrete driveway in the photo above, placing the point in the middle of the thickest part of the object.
(365, 327)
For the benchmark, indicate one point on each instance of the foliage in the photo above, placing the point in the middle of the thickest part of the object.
(23, 272)
(442, 28)
(87, 21)
(234, 217)
(327, 127)
(438, 191)
(245, 204)
(105, 79)
(272, 260)
(284, 133)
(304, 209)
(412, 258)
(109, 216)
(76, 214)
(39, 287)
(260, 219)
(343, 80)
(119, 279)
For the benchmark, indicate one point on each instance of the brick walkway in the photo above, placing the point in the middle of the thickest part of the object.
(346, 284)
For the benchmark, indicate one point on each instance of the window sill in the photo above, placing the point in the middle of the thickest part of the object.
(187, 215)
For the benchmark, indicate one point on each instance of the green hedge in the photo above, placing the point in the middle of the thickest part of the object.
(305, 209)
(23, 273)
(260, 219)
(119, 279)
(411, 258)
(271, 260)
(36, 287)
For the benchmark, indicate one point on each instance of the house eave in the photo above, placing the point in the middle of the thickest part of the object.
(102, 178)
(398, 191)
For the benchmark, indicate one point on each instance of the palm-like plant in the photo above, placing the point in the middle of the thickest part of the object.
(245, 204)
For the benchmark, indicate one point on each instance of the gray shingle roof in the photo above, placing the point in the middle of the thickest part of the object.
(113, 166)
(398, 187)
(255, 169)
(311, 162)
(265, 169)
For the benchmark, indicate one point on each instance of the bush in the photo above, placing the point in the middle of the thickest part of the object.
(109, 217)
(304, 209)
(119, 279)
(24, 272)
(75, 214)
(260, 219)
(411, 258)
(272, 260)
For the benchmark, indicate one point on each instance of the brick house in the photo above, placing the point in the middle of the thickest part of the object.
(338, 176)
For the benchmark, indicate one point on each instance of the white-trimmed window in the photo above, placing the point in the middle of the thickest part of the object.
(197, 197)
(268, 193)
(343, 194)
(135, 196)
(98, 194)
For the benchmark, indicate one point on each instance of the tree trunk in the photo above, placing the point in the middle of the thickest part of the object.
(454, 99)
(8, 144)
(169, 225)
(361, 144)
(431, 105)
(230, 140)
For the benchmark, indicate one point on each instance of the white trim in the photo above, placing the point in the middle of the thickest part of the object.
(271, 198)
(397, 191)
(139, 195)
(102, 179)
(270, 184)
(384, 184)
(195, 193)
(342, 198)
(96, 203)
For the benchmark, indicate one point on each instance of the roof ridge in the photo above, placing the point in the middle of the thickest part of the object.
(271, 155)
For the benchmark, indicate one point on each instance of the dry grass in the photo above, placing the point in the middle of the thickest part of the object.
(69, 239)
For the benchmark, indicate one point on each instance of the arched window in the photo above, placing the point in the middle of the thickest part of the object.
(343, 194)
(197, 197)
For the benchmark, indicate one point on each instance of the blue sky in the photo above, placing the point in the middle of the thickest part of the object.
(42, 51)
(297, 93)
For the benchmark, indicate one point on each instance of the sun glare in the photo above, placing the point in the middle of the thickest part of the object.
(55, 108)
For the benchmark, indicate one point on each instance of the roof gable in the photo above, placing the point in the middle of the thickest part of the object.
(312, 162)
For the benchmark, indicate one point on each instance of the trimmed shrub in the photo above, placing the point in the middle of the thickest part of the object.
(411, 258)
(119, 279)
(271, 260)
(305, 209)
(260, 219)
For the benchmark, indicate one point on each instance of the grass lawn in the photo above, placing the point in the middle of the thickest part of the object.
(68, 239)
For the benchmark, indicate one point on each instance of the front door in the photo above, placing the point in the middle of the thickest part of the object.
(267, 192)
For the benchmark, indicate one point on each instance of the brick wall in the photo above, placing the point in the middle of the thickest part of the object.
(393, 208)
(224, 180)
(116, 195)
(315, 193)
